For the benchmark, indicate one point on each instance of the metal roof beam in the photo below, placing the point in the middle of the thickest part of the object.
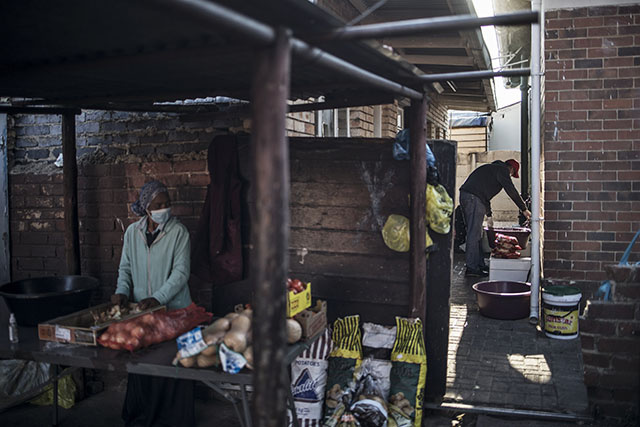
(260, 33)
(419, 26)
(473, 75)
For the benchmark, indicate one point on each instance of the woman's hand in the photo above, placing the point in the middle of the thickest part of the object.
(119, 299)
(148, 303)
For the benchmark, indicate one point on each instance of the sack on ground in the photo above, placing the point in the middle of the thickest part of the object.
(309, 381)
(345, 357)
(408, 373)
(377, 342)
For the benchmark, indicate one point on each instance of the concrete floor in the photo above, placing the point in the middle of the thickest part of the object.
(508, 363)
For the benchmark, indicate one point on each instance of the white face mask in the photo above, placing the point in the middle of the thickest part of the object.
(160, 216)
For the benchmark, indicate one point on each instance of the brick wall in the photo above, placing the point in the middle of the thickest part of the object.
(610, 335)
(361, 121)
(591, 140)
(105, 194)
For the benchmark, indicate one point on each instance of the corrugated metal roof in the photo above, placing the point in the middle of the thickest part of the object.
(103, 54)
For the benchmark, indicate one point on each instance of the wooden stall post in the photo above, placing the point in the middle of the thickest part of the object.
(418, 260)
(70, 173)
(270, 230)
(439, 280)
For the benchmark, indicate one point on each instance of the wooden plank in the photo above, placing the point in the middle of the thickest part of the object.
(339, 242)
(340, 218)
(394, 267)
(418, 262)
(469, 138)
(382, 314)
(469, 130)
(345, 171)
(70, 185)
(270, 230)
(5, 258)
(424, 42)
(439, 282)
(359, 291)
(438, 59)
(380, 193)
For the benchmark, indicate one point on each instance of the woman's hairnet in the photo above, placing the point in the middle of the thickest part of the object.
(147, 193)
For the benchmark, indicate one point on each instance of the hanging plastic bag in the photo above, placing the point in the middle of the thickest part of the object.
(395, 233)
(439, 209)
(401, 148)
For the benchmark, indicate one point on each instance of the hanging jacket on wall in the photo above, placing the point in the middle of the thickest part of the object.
(217, 244)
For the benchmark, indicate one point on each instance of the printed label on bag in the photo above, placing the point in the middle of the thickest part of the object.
(191, 343)
(63, 334)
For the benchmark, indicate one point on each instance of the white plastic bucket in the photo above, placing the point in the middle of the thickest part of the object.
(560, 308)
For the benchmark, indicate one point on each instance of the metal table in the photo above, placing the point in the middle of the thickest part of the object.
(154, 360)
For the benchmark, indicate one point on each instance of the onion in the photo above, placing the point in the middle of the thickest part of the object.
(138, 332)
(120, 338)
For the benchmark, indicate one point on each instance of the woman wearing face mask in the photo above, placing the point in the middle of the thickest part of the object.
(154, 269)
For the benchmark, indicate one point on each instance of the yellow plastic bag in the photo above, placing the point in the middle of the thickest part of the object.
(66, 394)
(395, 233)
(439, 209)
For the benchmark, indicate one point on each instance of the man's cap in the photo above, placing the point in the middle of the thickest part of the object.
(515, 165)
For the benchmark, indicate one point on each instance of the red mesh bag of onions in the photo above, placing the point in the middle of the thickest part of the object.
(153, 328)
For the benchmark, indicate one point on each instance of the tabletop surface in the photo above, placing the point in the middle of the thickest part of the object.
(154, 360)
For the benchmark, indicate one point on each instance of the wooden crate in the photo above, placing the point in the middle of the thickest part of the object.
(80, 327)
(313, 320)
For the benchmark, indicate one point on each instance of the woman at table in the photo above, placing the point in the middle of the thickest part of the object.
(154, 268)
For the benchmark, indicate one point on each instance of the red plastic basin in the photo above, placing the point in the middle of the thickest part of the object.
(503, 300)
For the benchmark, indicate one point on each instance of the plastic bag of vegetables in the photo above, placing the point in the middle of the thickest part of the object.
(395, 233)
(153, 328)
(439, 209)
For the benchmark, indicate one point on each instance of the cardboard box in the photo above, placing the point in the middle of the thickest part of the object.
(298, 302)
(313, 320)
(81, 327)
(512, 270)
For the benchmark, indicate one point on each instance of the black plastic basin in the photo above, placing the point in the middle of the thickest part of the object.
(38, 299)
(503, 300)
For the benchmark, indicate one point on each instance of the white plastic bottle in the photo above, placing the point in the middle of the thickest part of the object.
(13, 329)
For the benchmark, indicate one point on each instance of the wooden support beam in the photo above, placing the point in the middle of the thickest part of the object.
(270, 230)
(418, 260)
(424, 42)
(438, 59)
(70, 183)
(9, 109)
(439, 281)
(5, 236)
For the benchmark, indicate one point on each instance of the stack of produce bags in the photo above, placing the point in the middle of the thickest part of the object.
(506, 247)
(359, 393)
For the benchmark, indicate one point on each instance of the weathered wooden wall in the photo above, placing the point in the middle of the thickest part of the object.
(342, 191)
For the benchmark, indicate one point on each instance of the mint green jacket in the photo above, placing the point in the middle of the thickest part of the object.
(160, 271)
